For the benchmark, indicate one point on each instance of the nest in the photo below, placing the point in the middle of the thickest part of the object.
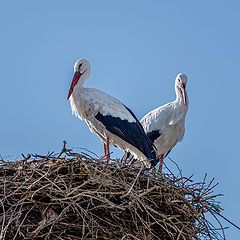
(70, 195)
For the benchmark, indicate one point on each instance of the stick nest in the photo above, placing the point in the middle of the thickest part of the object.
(71, 195)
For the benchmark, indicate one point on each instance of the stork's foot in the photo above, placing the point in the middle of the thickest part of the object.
(160, 170)
(154, 171)
(160, 165)
(107, 158)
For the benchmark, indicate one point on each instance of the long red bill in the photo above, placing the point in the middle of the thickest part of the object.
(74, 82)
(184, 95)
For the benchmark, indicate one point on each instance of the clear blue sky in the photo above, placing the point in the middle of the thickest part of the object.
(136, 49)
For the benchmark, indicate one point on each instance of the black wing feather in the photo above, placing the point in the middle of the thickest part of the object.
(153, 135)
(131, 132)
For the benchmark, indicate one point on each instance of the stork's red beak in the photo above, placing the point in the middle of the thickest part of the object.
(76, 77)
(184, 94)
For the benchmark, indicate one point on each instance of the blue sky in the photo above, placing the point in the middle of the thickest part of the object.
(136, 49)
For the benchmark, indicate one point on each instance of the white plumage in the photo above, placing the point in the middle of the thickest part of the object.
(165, 125)
(112, 121)
(89, 101)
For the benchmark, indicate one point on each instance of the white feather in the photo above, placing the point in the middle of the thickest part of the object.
(90, 101)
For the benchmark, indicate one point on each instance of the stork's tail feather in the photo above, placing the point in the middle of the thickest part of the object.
(152, 155)
(128, 158)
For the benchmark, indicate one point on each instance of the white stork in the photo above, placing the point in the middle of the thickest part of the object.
(111, 120)
(165, 125)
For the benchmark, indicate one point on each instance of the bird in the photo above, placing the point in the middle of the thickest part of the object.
(165, 125)
(110, 119)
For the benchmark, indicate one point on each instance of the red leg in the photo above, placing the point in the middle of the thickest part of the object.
(161, 164)
(107, 150)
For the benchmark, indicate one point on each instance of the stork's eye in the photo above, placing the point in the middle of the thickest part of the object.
(79, 67)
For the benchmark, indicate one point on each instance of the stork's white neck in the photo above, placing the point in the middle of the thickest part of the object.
(81, 80)
(74, 98)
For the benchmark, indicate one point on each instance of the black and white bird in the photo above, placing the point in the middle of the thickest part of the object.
(165, 126)
(110, 119)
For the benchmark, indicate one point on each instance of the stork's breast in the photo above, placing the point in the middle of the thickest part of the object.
(171, 134)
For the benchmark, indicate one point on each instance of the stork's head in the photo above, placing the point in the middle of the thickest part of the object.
(81, 72)
(180, 85)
